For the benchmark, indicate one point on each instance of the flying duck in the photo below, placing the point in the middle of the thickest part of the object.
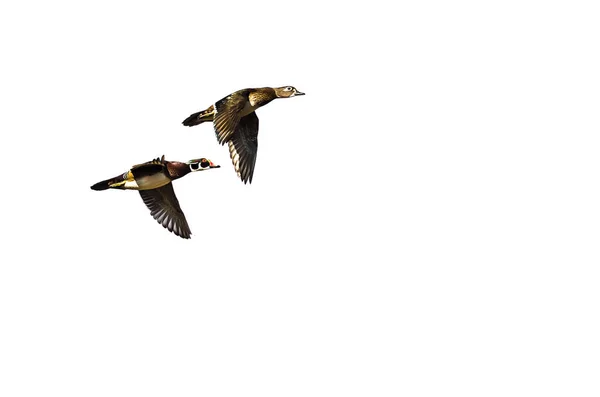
(235, 123)
(153, 180)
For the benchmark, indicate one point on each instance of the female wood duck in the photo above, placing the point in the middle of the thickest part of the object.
(236, 123)
(153, 180)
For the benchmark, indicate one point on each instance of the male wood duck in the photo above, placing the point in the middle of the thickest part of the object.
(153, 180)
(235, 122)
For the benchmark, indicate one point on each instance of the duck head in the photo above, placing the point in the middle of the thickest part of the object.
(201, 164)
(287, 92)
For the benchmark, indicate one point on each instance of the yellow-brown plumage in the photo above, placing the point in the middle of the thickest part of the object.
(235, 123)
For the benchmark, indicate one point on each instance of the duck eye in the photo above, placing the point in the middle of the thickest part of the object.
(204, 164)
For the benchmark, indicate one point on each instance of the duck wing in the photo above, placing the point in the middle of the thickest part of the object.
(243, 146)
(164, 207)
(148, 168)
(228, 112)
(157, 162)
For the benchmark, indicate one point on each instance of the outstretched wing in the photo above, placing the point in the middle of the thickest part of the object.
(164, 207)
(228, 113)
(243, 146)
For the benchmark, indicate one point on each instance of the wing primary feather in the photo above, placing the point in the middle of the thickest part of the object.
(164, 208)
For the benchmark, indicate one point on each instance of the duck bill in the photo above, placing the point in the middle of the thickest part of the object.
(212, 165)
(299, 93)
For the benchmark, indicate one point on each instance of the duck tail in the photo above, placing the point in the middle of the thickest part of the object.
(198, 118)
(106, 184)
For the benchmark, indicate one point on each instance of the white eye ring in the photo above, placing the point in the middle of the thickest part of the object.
(288, 88)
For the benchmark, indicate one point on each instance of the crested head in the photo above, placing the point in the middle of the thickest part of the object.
(287, 92)
(201, 164)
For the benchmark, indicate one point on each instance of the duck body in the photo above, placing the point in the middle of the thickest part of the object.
(153, 180)
(252, 99)
(236, 123)
(150, 175)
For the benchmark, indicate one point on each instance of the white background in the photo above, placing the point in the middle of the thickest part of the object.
(424, 222)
